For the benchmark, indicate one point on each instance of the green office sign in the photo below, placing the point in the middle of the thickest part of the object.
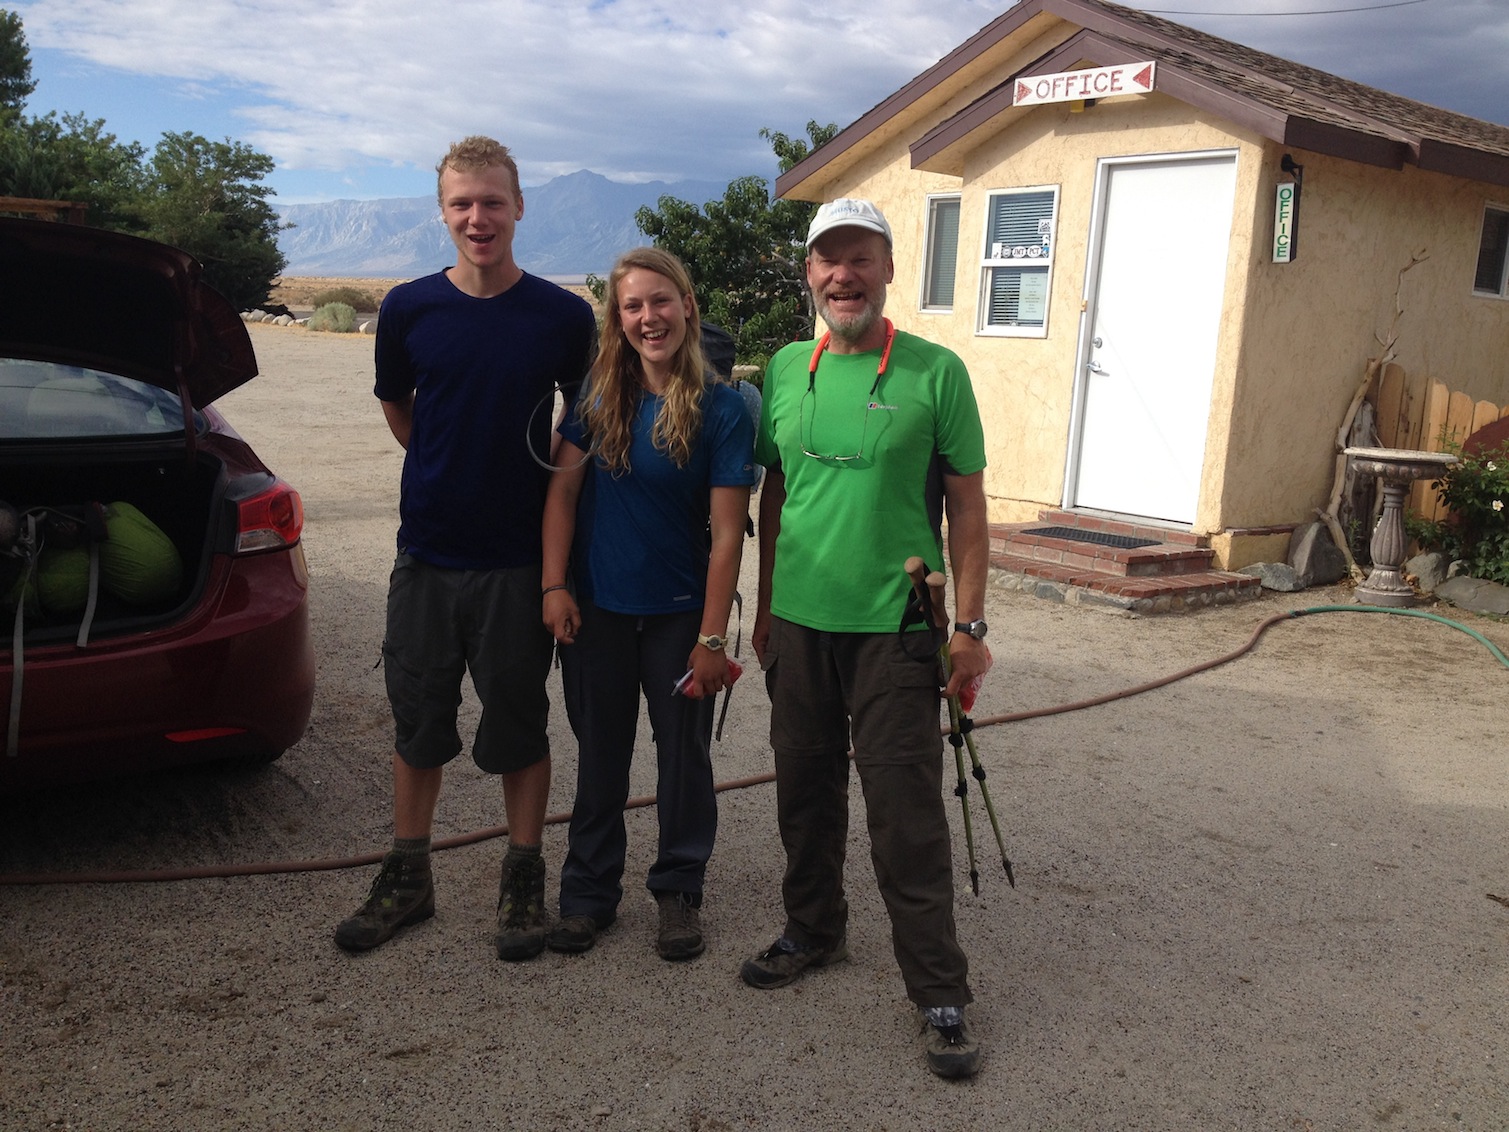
(1286, 222)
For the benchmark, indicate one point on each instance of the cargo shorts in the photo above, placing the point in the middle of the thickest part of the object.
(444, 623)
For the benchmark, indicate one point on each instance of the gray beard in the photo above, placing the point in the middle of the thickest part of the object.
(853, 329)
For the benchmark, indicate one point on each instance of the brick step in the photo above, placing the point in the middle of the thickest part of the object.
(1158, 560)
(1162, 593)
(1172, 574)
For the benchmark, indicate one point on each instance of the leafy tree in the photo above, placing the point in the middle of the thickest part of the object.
(73, 158)
(16, 82)
(204, 197)
(207, 198)
(746, 253)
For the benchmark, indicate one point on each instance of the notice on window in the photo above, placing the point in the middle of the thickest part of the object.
(1032, 301)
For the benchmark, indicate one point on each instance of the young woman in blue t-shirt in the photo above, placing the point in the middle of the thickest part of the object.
(644, 526)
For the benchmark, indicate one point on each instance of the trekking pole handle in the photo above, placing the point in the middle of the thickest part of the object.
(936, 586)
(916, 570)
(929, 588)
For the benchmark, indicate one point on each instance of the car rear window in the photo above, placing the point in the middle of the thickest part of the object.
(46, 401)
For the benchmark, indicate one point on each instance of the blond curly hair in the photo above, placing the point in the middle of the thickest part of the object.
(474, 153)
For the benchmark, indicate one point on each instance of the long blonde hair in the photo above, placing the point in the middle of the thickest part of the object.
(615, 384)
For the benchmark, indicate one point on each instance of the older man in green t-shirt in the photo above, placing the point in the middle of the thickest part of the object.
(870, 436)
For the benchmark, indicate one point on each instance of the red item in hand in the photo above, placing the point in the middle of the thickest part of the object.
(968, 693)
(735, 670)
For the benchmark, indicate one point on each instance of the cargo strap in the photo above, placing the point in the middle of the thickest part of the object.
(18, 635)
(29, 547)
(94, 594)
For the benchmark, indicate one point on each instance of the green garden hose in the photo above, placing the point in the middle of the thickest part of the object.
(1484, 641)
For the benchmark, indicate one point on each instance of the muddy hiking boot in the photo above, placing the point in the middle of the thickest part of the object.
(402, 894)
(950, 1047)
(574, 935)
(521, 908)
(784, 961)
(680, 926)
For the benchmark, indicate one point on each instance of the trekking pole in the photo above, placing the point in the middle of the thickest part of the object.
(961, 727)
(966, 728)
(931, 606)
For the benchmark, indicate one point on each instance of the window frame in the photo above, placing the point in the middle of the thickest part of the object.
(1023, 264)
(934, 202)
(1492, 210)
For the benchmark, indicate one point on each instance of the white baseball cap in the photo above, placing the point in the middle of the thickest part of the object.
(848, 212)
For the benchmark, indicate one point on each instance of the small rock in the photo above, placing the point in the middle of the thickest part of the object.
(1279, 576)
(1429, 569)
(1315, 556)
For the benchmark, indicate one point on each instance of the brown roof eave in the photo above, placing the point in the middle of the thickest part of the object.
(938, 74)
(1350, 145)
(1090, 47)
(949, 133)
(1459, 161)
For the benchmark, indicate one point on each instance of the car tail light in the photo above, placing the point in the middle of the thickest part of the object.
(270, 520)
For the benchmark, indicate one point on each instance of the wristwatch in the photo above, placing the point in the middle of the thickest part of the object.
(716, 642)
(975, 629)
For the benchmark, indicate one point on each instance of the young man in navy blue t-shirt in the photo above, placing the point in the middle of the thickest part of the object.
(467, 363)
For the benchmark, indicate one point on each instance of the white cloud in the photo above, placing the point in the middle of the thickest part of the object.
(641, 89)
(638, 88)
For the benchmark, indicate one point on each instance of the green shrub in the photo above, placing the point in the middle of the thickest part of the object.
(1476, 493)
(337, 317)
(356, 300)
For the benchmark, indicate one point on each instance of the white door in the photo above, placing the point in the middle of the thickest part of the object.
(1157, 279)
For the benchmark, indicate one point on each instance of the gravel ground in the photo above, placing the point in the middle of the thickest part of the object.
(1257, 898)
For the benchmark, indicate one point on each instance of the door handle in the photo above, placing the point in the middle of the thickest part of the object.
(1095, 368)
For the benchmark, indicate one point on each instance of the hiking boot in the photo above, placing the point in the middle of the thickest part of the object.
(402, 894)
(521, 909)
(951, 1049)
(576, 934)
(680, 926)
(784, 960)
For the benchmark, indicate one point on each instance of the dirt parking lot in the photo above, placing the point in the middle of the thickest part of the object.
(1258, 898)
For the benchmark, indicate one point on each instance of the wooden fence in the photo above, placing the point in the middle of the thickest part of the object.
(1421, 415)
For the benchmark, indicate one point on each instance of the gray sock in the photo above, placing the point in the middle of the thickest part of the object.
(412, 846)
(517, 852)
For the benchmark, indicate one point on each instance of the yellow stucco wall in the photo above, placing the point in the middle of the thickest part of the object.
(1026, 385)
(1313, 324)
(1293, 341)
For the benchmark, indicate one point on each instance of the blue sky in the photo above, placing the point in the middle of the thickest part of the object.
(357, 101)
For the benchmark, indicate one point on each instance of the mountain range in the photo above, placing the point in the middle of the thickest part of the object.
(573, 225)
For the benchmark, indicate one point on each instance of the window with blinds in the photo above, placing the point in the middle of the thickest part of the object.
(1017, 265)
(941, 260)
(1493, 254)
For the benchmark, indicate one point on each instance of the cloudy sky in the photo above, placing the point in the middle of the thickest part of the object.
(357, 100)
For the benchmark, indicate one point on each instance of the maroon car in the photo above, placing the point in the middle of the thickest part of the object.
(153, 590)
